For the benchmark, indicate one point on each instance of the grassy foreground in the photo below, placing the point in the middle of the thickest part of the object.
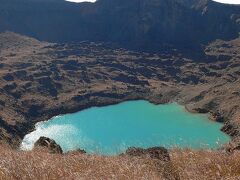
(185, 164)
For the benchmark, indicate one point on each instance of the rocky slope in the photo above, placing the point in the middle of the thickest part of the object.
(39, 80)
(149, 25)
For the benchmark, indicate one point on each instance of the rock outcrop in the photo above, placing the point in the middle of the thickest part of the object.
(159, 153)
(49, 144)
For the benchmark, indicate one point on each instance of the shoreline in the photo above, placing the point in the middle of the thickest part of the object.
(155, 102)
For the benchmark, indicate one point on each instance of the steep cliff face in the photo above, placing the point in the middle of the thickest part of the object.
(139, 24)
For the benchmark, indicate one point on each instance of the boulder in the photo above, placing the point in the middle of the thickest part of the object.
(81, 151)
(49, 144)
(232, 147)
(77, 152)
(159, 153)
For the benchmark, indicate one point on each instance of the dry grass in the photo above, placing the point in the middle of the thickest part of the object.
(186, 164)
(208, 165)
(42, 165)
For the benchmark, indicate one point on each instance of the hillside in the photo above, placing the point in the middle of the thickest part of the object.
(146, 25)
(40, 80)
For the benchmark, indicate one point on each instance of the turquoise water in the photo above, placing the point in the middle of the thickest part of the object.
(112, 129)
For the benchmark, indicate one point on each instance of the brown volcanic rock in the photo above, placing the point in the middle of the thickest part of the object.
(159, 153)
(48, 143)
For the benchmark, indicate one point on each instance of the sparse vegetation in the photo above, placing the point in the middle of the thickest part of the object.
(185, 164)
(206, 164)
(42, 165)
